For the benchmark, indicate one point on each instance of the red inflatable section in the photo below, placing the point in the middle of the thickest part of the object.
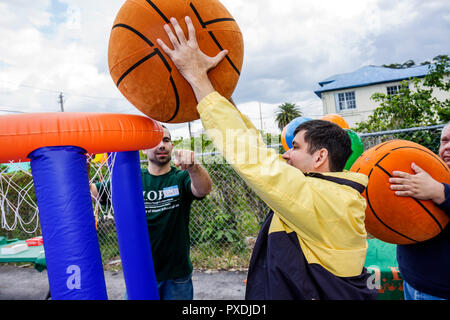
(21, 134)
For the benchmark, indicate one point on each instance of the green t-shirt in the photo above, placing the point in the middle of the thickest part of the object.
(168, 200)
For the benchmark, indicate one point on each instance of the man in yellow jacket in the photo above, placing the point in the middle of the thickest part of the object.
(313, 243)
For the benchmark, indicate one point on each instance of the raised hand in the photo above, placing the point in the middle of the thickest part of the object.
(184, 159)
(190, 61)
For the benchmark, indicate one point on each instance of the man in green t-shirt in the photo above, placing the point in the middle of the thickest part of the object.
(168, 195)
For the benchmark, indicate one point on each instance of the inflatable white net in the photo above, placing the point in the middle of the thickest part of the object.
(18, 208)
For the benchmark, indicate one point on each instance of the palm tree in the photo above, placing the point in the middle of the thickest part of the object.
(286, 113)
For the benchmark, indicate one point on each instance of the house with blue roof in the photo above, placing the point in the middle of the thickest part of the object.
(348, 94)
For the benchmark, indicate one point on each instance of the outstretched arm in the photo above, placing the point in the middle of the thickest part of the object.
(419, 185)
(190, 61)
(200, 180)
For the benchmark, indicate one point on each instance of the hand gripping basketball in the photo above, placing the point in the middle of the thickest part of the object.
(401, 219)
(190, 61)
(419, 185)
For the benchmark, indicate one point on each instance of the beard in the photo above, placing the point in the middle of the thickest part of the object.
(160, 160)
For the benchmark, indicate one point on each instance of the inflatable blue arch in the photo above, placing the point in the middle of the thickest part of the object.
(56, 145)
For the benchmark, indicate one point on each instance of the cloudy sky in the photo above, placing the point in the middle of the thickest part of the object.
(53, 46)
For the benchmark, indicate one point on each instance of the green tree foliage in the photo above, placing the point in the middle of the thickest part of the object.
(414, 105)
(404, 65)
(286, 113)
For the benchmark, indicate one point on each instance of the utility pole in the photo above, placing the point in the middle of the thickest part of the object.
(260, 116)
(61, 101)
(190, 130)
(191, 142)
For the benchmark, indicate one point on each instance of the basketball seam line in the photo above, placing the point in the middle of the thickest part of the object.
(158, 11)
(381, 221)
(382, 159)
(226, 57)
(384, 170)
(373, 211)
(140, 35)
(378, 147)
(166, 63)
(416, 200)
(429, 213)
(177, 98)
(430, 153)
(205, 23)
(218, 20)
(197, 14)
(137, 64)
(211, 34)
(155, 52)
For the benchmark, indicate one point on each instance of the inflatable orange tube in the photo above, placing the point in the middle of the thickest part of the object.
(21, 134)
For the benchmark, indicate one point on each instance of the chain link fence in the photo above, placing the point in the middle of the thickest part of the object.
(224, 225)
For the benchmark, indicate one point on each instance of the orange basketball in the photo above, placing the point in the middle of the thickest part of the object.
(337, 119)
(394, 219)
(146, 76)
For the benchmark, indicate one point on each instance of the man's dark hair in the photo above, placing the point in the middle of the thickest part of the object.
(167, 130)
(325, 134)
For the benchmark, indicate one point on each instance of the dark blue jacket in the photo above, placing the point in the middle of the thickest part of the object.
(278, 269)
(426, 265)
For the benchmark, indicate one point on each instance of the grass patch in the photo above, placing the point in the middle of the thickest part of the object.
(205, 258)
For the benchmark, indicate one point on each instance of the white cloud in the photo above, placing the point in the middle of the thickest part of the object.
(289, 47)
(23, 13)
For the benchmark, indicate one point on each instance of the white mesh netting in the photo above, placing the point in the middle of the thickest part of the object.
(18, 208)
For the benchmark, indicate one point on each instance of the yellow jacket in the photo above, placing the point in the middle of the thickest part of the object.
(328, 218)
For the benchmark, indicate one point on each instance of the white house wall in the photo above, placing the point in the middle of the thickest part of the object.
(364, 105)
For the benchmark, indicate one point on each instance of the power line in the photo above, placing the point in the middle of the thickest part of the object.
(93, 97)
(59, 91)
(15, 107)
(11, 111)
(28, 86)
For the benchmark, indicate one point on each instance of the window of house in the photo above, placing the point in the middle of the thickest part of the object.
(345, 101)
(393, 90)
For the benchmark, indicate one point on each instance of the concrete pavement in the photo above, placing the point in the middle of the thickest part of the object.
(26, 283)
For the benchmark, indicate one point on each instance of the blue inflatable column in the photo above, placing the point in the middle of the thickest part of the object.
(72, 252)
(131, 227)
